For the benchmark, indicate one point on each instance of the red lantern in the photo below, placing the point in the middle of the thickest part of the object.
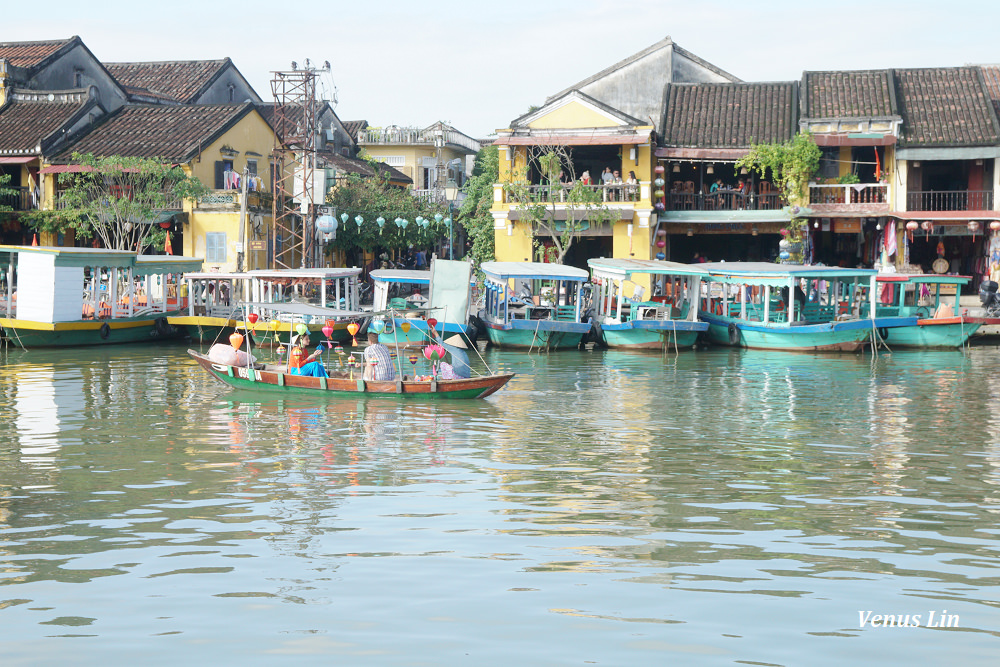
(927, 226)
(784, 232)
(253, 317)
(661, 244)
(911, 227)
(431, 323)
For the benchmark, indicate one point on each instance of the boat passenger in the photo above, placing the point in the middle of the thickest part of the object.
(300, 362)
(459, 368)
(382, 369)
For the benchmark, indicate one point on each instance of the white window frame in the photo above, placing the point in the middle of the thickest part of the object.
(215, 251)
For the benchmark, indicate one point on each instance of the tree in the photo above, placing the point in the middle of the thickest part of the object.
(540, 205)
(475, 214)
(791, 163)
(372, 197)
(118, 198)
(5, 192)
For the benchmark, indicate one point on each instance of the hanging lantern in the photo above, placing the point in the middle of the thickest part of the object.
(344, 217)
(911, 227)
(784, 254)
(659, 169)
(413, 360)
(974, 227)
(660, 256)
(327, 331)
(273, 325)
(431, 323)
(380, 221)
(658, 193)
(659, 182)
(326, 224)
(661, 232)
(405, 326)
(253, 317)
(403, 223)
(447, 223)
(377, 326)
(661, 244)
(995, 225)
(419, 220)
(927, 226)
(301, 329)
(660, 207)
(425, 223)
(438, 218)
(236, 340)
(358, 220)
(352, 329)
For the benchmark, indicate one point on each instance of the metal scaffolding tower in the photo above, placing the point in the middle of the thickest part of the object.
(297, 192)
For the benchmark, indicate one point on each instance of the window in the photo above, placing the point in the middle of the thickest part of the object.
(215, 247)
(232, 92)
(252, 167)
(392, 160)
(77, 78)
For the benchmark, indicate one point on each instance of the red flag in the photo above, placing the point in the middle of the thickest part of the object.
(34, 240)
(166, 246)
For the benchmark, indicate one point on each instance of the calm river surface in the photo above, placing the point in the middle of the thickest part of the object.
(717, 508)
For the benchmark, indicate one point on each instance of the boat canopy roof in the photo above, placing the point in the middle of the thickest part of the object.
(605, 266)
(930, 278)
(299, 274)
(215, 275)
(143, 265)
(533, 270)
(401, 276)
(765, 273)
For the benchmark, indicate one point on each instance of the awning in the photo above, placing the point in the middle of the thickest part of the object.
(20, 159)
(946, 216)
(722, 154)
(65, 168)
(574, 139)
(854, 139)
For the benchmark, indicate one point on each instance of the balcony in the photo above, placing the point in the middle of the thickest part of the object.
(724, 200)
(18, 200)
(950, 200)
(559, 194)
(172, 204)
(386, 136)
(848, 198)
(229, 200)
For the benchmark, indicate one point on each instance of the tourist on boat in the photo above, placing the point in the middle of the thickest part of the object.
(378, 361)
(459, 368)
(301, 362)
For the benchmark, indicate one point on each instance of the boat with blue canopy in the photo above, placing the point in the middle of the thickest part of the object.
(791, 306)
(533, 305)
(933, 301)
(668, 320)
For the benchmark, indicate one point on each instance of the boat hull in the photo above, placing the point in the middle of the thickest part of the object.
(536, 334)
(850, 336)
(931, 333)
(652, 335)
(276, 381)
(29, 333)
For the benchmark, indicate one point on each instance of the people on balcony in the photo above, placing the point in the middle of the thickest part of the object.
(632, 187)
(585, 178)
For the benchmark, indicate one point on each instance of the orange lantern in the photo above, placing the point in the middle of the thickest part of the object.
(236, 340)
(405, 326)
(352, 329)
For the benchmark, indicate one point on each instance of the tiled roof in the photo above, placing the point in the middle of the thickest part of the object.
(945, 106)
(733, 115)
(179, 81)
(174, 133)
(23, 125)
(848, 94)
(363, 167)
(991, 76)
(29, 54)
(354, 126)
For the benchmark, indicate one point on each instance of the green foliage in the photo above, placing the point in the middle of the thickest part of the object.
(475, 214)
(5, 192)
(373, 197)
(57, 222)
(117, 198)
(848, 179)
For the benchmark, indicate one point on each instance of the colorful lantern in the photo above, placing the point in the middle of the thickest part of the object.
(253, 317)
(995, 225)
(660, 256)
(431, 323)
(358, 220)
(659, 182)
(405, 326)
(326, 224)
(438, 218)
(927, 226)
(784, 254)
(352, 328)
(377, 326)
(344, 217)
(784, 232)
(403, 223)
(413, 360)
(327, 331)
(658, 193)
(236, 340)
(661, 244)
(301, 329)
(380, 221)
(911, 227)
(659, 169)
(974, 227)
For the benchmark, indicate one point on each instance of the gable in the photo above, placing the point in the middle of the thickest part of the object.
(574, 115)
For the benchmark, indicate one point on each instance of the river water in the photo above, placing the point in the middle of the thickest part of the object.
(717, 507)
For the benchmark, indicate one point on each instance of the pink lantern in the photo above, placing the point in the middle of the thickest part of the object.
(661, 244)
(784, 232)
(974, 227)
(995, 225)
(327, 330)
(927, 226)
(911, 227)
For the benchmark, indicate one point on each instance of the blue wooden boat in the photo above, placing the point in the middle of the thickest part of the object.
(790, 306)
(933, 300)
(667, 321)
(533, 305)
(410, 298)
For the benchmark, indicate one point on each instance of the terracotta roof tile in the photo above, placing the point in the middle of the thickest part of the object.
(362, 167)
(848, 94)
(729, 115)
(179, 81)
(946, 106)
(23, 125)
(991, 75)
(354, 126)
(173, 133)
(29, 54)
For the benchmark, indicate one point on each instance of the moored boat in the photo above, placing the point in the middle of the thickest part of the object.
(56, 296)
(933, 300)
(546, 312)
(789, 306)
(663, 322)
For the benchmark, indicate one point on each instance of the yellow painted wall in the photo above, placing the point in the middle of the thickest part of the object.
(514, 248)
(251, 133)
(414, 156)
(573, 115)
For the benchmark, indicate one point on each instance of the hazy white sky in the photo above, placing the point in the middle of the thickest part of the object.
(478, 65)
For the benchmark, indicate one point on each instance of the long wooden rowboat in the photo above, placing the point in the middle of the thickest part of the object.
(268, 377)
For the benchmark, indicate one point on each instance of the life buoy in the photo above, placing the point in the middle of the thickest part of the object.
(734, 334)
(162, 327)
(105, 331)
(883, 332)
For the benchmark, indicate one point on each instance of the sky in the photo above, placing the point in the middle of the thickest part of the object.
(479, 65)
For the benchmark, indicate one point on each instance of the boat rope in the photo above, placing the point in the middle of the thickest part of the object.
(538, 323)
(395, 337)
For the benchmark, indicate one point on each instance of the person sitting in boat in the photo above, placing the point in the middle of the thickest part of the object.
(459, 368)
(301, 362)
(378, 361)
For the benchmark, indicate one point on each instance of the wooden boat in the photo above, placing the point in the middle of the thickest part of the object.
(546, 314)
(748, 304)
(446, 291)
(280, 300)
(660, 323)
(932, 301)
(55, 296)
(272, 378)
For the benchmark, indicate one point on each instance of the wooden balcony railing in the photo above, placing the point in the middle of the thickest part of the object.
(854, 193)
(724, 200)
(618, 192)
(950, 200)
(19, 200)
